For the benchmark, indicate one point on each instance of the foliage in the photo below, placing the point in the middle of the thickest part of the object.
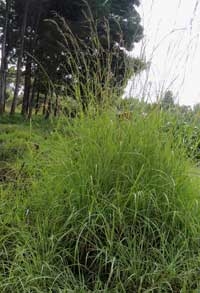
(96, 204)
(106, 199)
(184, 120)
(114, 25)
(167, 100)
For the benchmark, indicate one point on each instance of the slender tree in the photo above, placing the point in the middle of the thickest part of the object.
(4, 59)
(31, 102)
(33, 23)
(20, 56)
(27, 86)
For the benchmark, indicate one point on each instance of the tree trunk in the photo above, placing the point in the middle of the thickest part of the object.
(4, 61)
(31, 103)
(5, 80)
(49, 108)
(57, 106)
(28, 72)
(37, 106)
(19, 61)
(45, 104)
(27, 88)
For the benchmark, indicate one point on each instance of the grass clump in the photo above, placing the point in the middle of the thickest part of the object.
(111, 206)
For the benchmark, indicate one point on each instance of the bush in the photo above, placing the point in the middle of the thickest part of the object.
(111, 207)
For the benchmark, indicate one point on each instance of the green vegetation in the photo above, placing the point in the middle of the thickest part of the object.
(41, 38)
(103, 196)
(98, 205)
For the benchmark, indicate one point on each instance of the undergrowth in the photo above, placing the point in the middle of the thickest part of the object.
(99, 205)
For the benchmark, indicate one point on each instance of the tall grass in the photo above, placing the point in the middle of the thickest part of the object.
(105, 206)
(96, 67)
(97, 203)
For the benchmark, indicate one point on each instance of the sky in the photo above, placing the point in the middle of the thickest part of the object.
(172, 45)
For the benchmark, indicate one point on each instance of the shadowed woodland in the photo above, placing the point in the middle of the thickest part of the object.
(55, 53)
